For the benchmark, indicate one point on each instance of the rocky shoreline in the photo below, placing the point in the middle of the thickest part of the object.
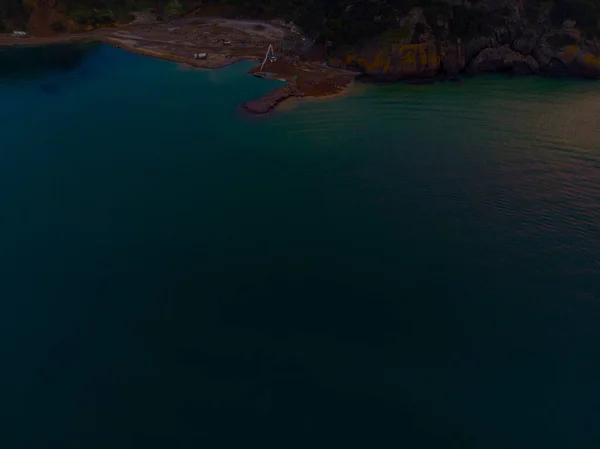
(416, 49)
(494, 36)
(270, 101)
(224, 42)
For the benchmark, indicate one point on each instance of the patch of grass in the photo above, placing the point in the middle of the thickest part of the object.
(173, 8)
(124, 16)
(91, 17)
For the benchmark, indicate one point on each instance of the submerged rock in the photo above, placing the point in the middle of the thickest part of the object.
(265, 104)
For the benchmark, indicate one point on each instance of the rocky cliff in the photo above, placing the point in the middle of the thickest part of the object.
(474, 37)
(387, 39)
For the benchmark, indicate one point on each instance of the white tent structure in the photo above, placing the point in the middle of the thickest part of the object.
(270, 49)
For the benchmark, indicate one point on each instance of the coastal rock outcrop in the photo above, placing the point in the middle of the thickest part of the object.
(475, 45)
(525, 43)
(587, 64)
(393, 39)
(268, 102)
(401, 61)
(503, 59)
(453, 58)
(409, 50)
(516, 36)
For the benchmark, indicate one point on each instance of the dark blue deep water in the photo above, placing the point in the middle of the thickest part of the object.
(403, 267)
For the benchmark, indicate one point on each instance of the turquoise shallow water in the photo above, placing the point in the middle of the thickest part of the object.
(408, 266)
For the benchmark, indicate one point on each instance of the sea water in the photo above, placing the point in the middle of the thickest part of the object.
(405, 266)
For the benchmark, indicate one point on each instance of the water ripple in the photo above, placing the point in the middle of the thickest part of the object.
(521, 155)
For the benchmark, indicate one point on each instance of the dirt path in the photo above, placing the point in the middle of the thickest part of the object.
(265, 29)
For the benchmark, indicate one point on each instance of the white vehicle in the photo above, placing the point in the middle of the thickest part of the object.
(19, 33)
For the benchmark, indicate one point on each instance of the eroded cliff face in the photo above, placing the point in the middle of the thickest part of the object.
(43, 14)
(391, 40)
(398, 61)
(474, 38)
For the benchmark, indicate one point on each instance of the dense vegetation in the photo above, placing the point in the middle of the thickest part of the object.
(333, 20)
(15, 13)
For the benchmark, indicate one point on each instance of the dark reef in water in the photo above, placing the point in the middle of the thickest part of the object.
(37, 62)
